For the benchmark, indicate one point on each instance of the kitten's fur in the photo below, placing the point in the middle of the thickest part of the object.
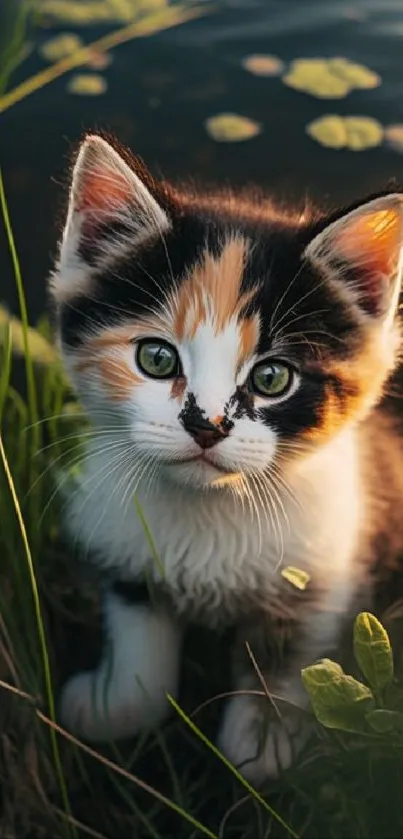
(308, 479)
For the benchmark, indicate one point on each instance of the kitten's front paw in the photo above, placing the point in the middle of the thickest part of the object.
(260, 748)
(98, 712)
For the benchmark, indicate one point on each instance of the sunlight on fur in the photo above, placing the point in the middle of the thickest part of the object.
(219, 345)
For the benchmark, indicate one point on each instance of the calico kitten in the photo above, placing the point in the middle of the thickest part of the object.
(233, 359)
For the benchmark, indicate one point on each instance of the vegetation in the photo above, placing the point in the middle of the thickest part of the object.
(172, 784)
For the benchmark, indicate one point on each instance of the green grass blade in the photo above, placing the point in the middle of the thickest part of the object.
(5, 367)
(229, 766)
(156, 22)
(41, 632)
(31, 388)
(149, 536)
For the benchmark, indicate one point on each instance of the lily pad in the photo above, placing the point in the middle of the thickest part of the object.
(99, 60)
(263, 65)
(296, 576)
(394, 137)
(232, 128)
(354, 133)
(90, 84)
(357, 75)
(330, 78)
(60, 47)
(84, 12)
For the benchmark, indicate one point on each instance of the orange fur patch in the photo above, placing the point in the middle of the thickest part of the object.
(105, 354)
(118, 377)
(249, 335)
(178, 388)
(213, 290)
(361, 379)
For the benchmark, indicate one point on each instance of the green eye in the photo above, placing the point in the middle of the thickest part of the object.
(157, 359)
(271, 378)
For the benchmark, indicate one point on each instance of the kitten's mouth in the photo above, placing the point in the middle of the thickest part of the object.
(202, 458)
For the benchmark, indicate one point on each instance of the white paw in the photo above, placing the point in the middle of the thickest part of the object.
(255, 741)
(96, 711)
(127, 693)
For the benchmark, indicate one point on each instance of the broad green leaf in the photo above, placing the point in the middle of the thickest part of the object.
(296, 576)
(373, 651)
(383, 721)
(231, 128)
(338, 701)
(337, 132)
(41, 351)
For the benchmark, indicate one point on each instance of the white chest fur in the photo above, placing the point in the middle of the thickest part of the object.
(213, 546)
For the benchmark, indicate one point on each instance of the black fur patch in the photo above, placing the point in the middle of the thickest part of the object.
(303, 321)
(133, 593)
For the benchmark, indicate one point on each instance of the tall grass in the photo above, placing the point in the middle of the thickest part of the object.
(173, 784)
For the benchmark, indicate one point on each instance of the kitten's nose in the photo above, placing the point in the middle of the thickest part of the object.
(205, 433)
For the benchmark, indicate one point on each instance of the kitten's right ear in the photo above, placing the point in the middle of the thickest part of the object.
(110, 211)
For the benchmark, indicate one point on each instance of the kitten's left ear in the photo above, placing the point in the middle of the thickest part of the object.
(363, 250)
(111, 209)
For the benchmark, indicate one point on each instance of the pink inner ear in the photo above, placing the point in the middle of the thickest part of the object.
(102, 191)
(371, 244)
(372, 241)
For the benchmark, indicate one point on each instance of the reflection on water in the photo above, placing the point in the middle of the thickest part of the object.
(161, 94)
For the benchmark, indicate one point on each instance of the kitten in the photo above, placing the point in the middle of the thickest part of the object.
(233, 359)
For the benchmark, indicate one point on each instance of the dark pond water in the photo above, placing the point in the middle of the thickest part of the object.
(161, 90)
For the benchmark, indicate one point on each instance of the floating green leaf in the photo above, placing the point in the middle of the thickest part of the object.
(338, 701)
(330, 78)
(356, 75)
(383, 721)
(90, 84)
(354, 133)
(373, 651)
(231, 128)
(84, 12)
(59, 47)
(41, 351)
(296, 576)
(394, 137)
(263, 65)
(99, 60)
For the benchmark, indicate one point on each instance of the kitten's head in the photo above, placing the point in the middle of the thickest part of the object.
(219, 337)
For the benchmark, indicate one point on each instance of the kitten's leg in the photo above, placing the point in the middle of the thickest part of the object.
(254, 736)
(140, 664)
